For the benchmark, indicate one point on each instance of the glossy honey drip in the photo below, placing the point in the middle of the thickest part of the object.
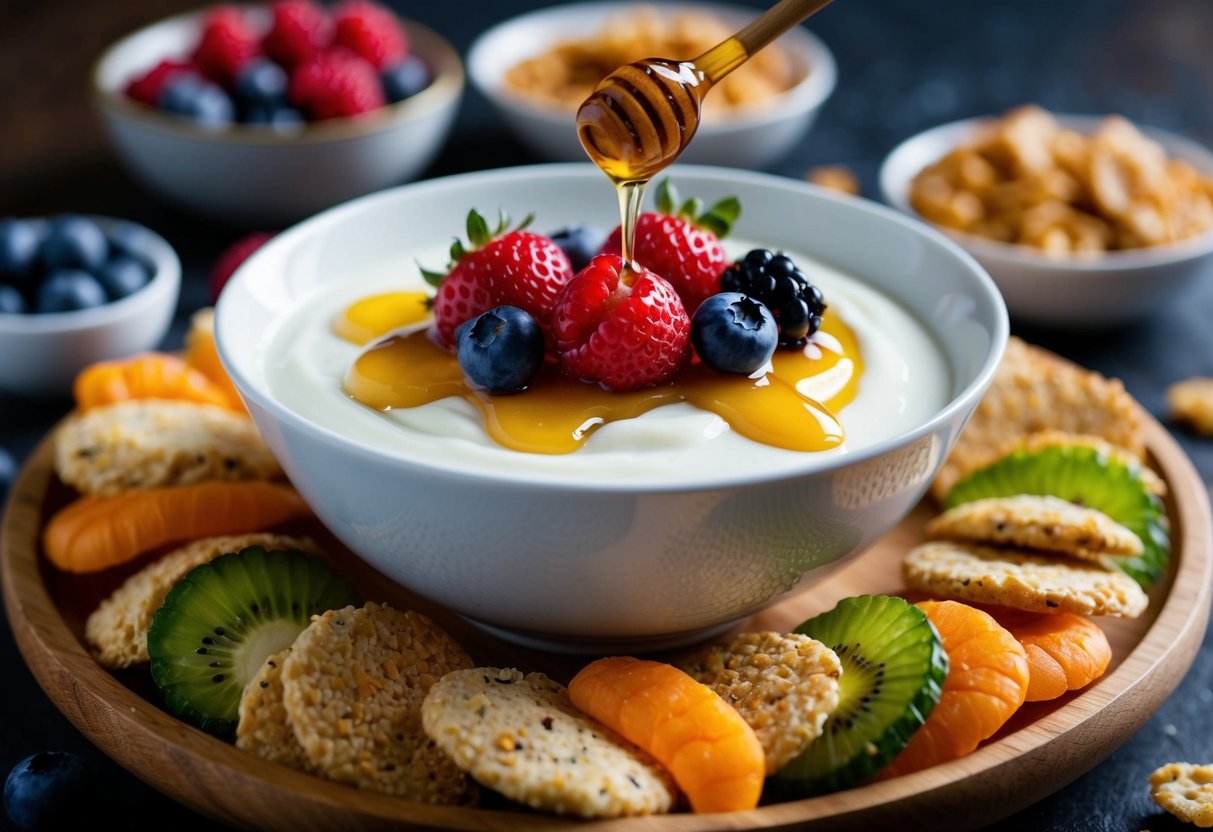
(556, 414)
(370, 318)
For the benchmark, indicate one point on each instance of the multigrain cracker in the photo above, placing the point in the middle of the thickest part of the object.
(117, 629)
(154, 443)
(1034, 391)
(353, 686)
(784, 686)
(1191, 401)
(1186, 791)
(1031, 522)
(1018, 579)
(520, 735)
(264, 728)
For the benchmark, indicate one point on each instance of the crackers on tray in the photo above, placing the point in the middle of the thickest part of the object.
(783, 685)
(1035, 391)
(1029, 521)
(353, 686)
(1022, 580)
(264, 728)
(154, 443)
(521, 735)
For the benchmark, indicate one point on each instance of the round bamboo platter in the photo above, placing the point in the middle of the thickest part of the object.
(1046, 745)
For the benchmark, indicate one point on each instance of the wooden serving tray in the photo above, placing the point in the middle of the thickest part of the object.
(1046, 745)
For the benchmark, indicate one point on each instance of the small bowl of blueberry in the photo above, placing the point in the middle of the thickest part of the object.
(263, 115)
(76, 289)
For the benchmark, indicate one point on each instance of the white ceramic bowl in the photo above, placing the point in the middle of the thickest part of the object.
(746, 139)
(581, 560)
(1103, 290)
(40, 355)
(255, 177)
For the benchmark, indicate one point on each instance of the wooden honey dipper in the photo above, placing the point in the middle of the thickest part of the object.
(643, 115)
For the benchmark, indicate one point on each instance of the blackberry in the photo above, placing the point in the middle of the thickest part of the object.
(776, 281)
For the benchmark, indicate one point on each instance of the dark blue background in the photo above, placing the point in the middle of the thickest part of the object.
(903, 66)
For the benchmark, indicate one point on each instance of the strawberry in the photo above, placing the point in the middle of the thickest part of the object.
(372, 31)
(502, 267)
(682, 244)
(300, 31)
(232, 258)
(226, 45)
(622, 330)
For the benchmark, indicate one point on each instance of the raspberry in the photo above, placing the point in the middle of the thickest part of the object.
(226, 45)
(232, 258)
(624, 333)
(335, 85)
(372, 31)
(146, 89)
(300, 31)
(512, 268)
(683, 245)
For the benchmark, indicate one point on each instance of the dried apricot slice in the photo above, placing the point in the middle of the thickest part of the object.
(95, 533)
(987, 682)
(1065, 651)
(151, 375)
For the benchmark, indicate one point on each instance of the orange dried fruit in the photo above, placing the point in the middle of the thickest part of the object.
(1065, 651)
(712, 753)
(151, 375)
(202, 354)
(95, 533)
(987, 682)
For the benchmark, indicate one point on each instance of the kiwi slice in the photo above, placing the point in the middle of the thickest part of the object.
(1088, 478)
(221, 622)
(893, 670)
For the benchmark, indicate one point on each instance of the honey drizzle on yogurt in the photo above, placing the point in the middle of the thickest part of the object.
(791, 404)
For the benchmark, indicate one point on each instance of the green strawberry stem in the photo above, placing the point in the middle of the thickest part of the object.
(479, 235)
(718, 219)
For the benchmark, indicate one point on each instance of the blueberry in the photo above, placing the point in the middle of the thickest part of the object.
(19, 242)
(733, 333)
(261, 82)
(12, 302)
(279, 119)
(8, 471)
(581, 243)
(68, 290)
(74, 242)
(122, 276)
(200, 100)
(405, 79)
(49, 790)
(501, 350)
(128, 240)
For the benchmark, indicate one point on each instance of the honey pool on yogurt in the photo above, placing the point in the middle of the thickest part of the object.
(792, 404)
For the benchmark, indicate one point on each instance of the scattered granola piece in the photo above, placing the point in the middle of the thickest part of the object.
(1191, 401)
(1186, 791)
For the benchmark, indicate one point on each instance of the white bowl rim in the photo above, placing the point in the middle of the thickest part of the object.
(447, 85)
(895, 192)
(965, 398)
(167, 270)
(808, 93)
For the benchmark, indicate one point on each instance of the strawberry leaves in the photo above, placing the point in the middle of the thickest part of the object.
(479, 235)
(718, 219)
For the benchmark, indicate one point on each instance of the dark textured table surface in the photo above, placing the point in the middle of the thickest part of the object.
(903, 66)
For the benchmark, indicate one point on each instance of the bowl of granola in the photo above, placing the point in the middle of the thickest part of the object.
(1080, 220)
(537, 68)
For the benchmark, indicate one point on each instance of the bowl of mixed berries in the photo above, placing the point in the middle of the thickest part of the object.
(77, 289)
(262, 115)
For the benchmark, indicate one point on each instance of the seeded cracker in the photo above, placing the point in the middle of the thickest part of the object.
(353, 686)
(264, 728)
(156, 443)
(1018, 579)
(117, 629)
(1033, 391)
(520, 735)
(1044, 523)
(784, 686)
(1186, 791)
